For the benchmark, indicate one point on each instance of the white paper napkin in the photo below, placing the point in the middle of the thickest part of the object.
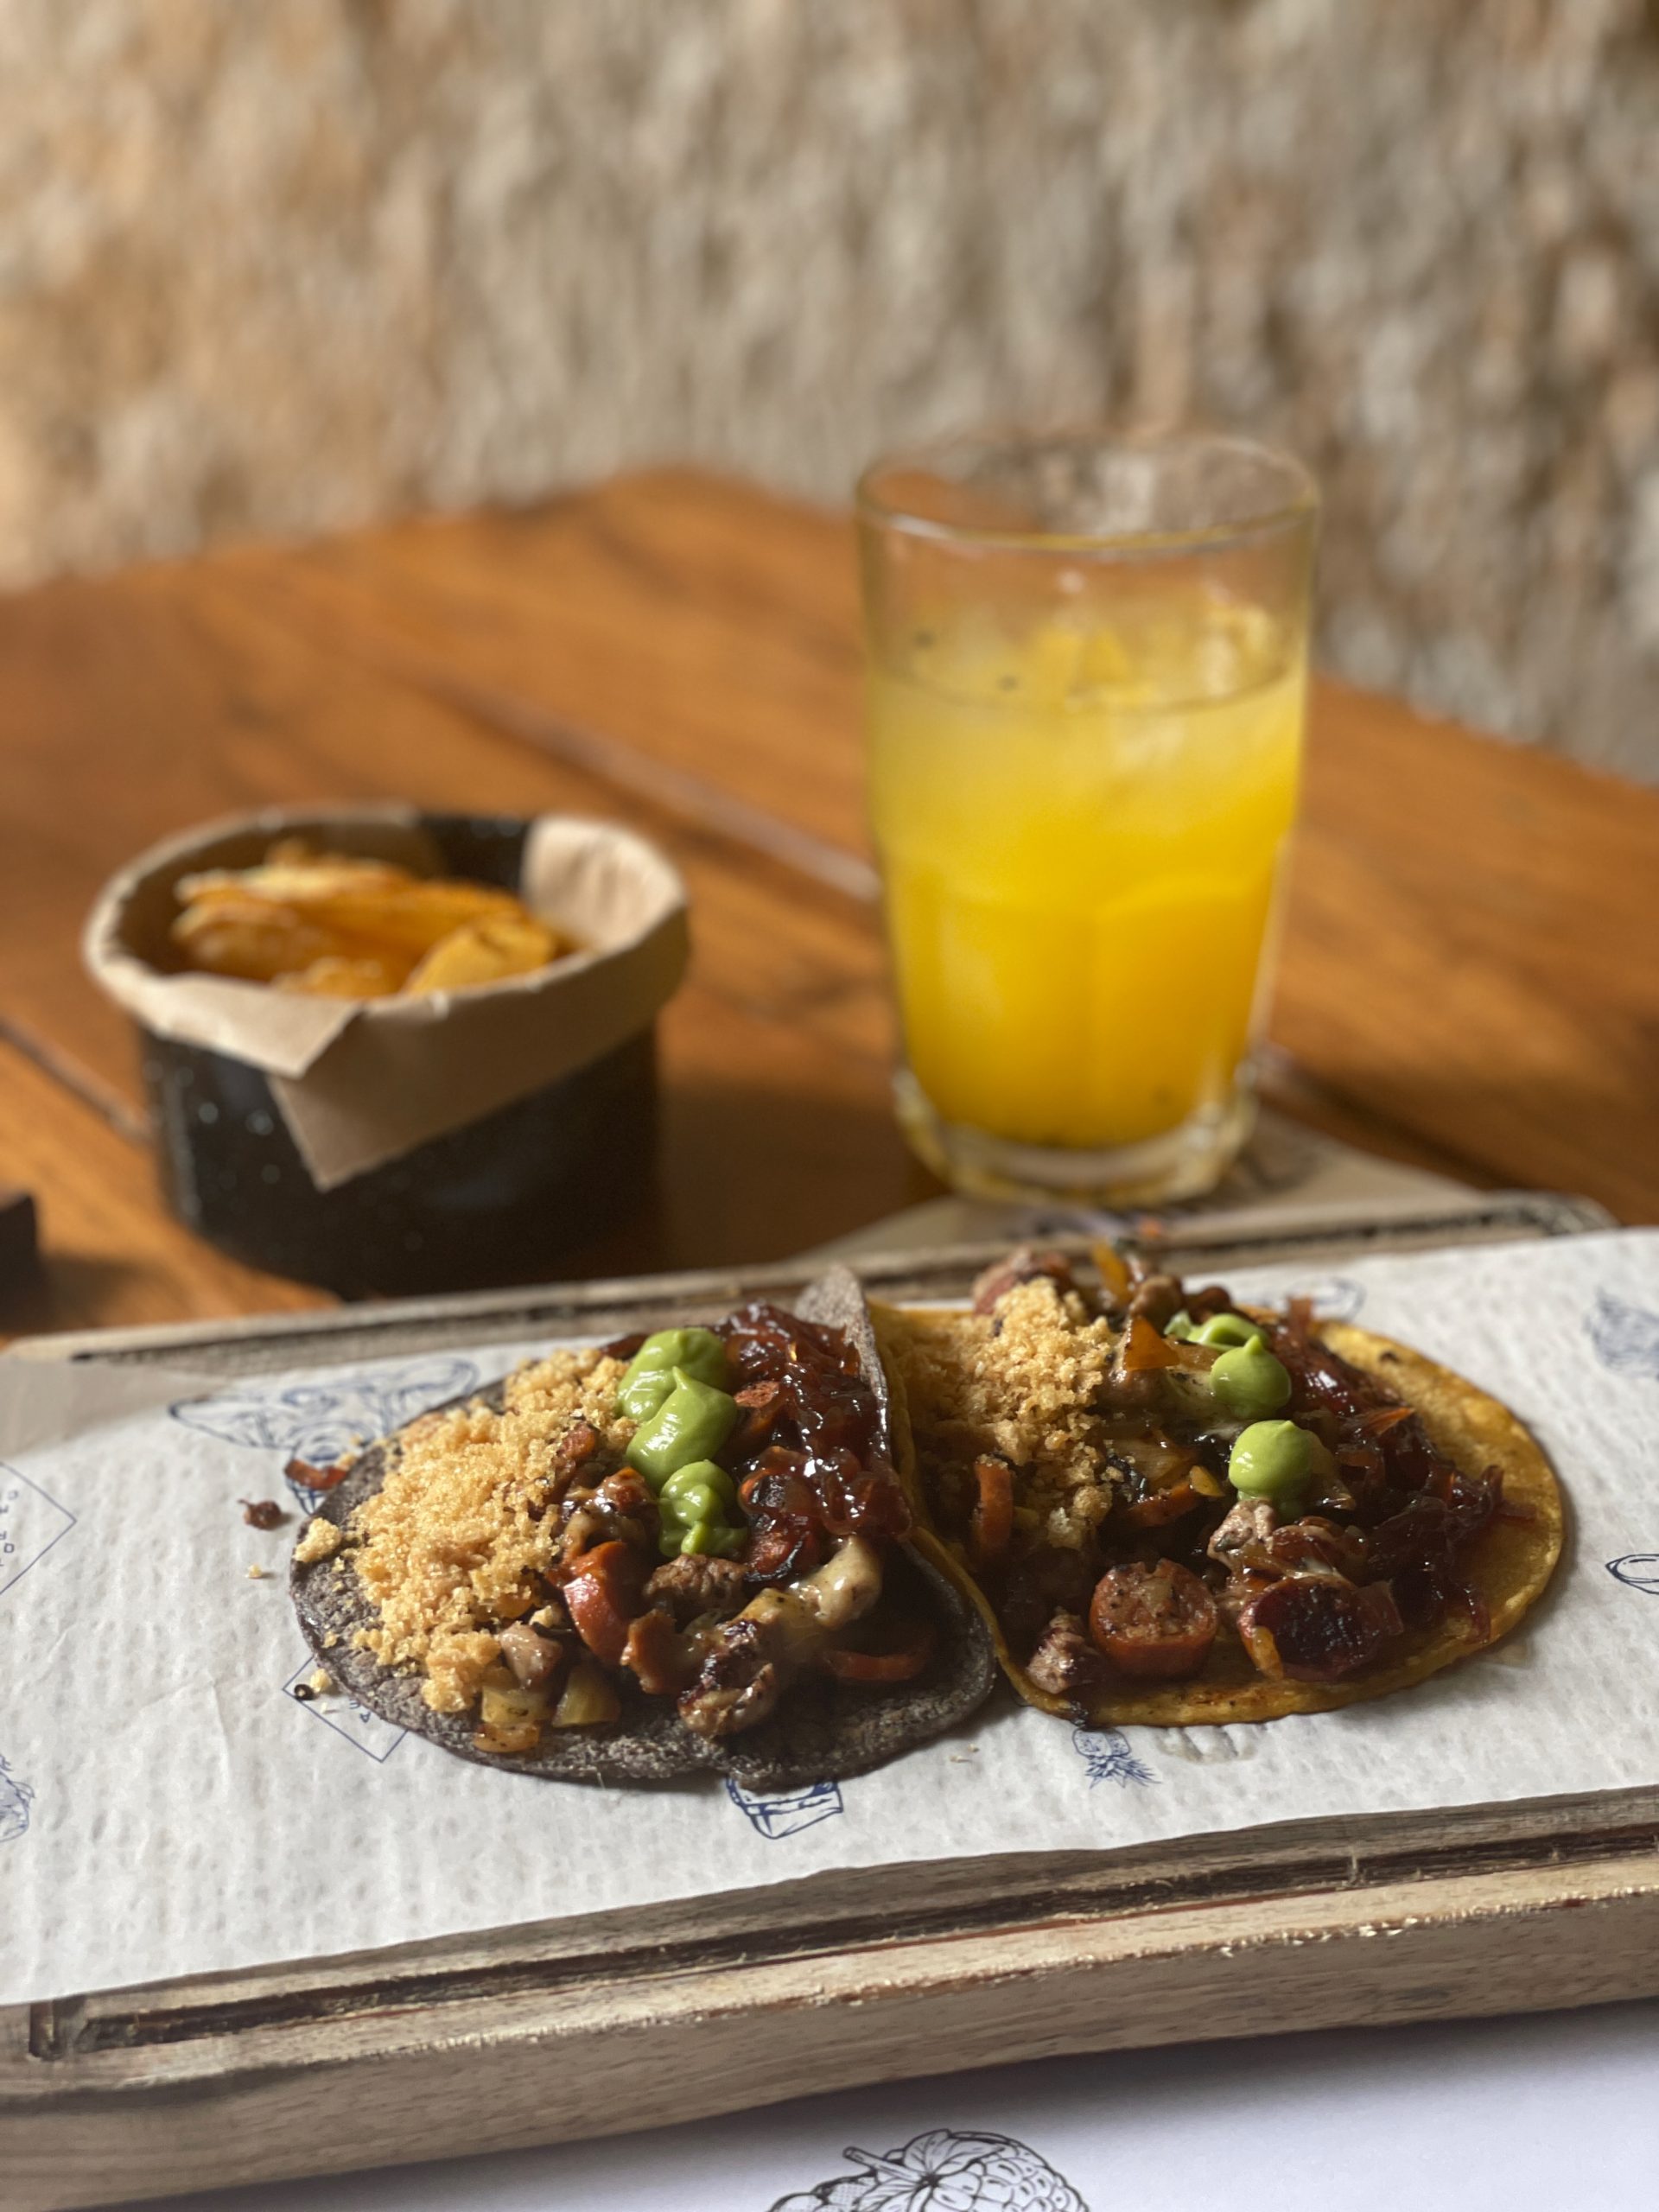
(167, 1807)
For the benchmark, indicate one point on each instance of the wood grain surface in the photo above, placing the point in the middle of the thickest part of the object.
(1470, 974)
(523, 2037)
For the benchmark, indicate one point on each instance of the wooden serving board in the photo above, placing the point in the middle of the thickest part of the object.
(521, 2036)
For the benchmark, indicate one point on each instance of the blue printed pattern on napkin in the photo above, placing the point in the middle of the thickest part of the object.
(782, 1813)
(15, 1798)
(366, 1731)
(318, 1422)
(30, 1523)
(1625, 1337)
(1106, 1752)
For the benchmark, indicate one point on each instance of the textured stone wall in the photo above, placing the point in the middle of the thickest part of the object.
(275, 265)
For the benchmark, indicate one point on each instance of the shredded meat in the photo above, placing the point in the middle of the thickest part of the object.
(1316, 1546)
(533, 1657)
(1242, 1537)
(1022, 1266)
(1065, 1663)
(1043, 1582)
(694, 1586)
(752, 1657)
(1156, 1299)
(738, 1686)
(621, 1509)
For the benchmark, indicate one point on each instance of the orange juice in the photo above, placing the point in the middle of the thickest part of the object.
(1080, 826)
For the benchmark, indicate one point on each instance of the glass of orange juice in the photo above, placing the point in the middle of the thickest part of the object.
(1087, 672)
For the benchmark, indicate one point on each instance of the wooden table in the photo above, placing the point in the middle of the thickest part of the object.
(1470, 978)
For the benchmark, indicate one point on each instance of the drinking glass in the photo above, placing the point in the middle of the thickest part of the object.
(1087, 675)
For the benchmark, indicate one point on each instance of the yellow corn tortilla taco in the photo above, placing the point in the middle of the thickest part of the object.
(1155, 1538)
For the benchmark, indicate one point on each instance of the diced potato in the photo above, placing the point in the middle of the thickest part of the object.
(512, 1718)
(588, 1698)
(509, 1706)
(514, 1742)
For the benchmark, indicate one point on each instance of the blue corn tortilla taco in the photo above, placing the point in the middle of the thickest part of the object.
(680, 1553)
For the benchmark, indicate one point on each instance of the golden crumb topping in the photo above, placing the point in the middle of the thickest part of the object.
(447, 1546)
(321, 1540)
(1025, 1393)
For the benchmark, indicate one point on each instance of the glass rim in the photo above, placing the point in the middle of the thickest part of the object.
(1301, 505)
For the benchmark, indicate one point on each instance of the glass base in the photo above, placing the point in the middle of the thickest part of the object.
(1183, 1163)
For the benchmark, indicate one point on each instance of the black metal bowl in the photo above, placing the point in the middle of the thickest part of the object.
(501, 1201)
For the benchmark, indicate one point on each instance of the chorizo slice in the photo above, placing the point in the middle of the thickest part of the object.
(1155, 1623)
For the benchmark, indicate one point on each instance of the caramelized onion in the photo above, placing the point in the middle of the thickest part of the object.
(806, 1456)
(1318, 1629)
(588, 1700)
(1377, 1420)
(1160, 1507)
(1144, 1349)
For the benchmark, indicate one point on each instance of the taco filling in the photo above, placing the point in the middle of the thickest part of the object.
(1178, 1508)
(701, 1518)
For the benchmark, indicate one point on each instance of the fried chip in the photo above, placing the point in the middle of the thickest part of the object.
(413, 915)
(249, 939)
(332, 926)
(486, 951)
(336, 975)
